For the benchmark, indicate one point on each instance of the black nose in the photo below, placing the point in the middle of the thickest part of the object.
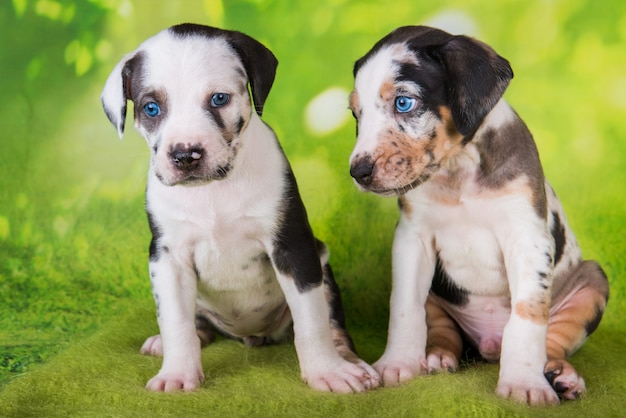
(362, 170)
(186, 158)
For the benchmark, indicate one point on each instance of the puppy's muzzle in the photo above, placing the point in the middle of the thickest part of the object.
(362, 171)
(191, 164)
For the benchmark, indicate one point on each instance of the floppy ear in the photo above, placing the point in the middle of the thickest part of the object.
(260, 65)
(476, 78)
(116, 92)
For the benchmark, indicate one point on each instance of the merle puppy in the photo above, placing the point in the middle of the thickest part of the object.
(482, 247)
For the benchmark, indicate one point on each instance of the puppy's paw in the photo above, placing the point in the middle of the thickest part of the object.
(441, 360)
(173, 382)
(343, 377)
(394, 373)
(153, 346)
(564, 379)
(373, 379)
(531, 390)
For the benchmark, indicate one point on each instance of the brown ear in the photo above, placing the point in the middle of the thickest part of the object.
(260, 65)
(476, 79)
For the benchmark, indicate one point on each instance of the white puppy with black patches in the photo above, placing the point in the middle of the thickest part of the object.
(482, 248)
(232, 249)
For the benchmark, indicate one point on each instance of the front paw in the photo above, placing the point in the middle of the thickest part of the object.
(173, 382)
(343, 377)
(396, 372)
(533, 390)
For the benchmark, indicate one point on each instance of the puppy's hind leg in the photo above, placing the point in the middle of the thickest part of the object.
(444, 344)
(341, 337)
(153, 345)
(572, 319)
(204, 330)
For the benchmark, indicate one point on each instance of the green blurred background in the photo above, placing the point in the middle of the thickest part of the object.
(73, 234)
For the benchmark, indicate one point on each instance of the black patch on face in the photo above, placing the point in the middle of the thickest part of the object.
(475, 75)
(187, 29)
(240, 123)
(444, 287)
(154, 250)
(418, 36)
(136, 90)
(558, 233)
(216, 116)
(428, 78)
(151, 124)
(230, 131)
(295, 253)
(506, 154)
(408, 71)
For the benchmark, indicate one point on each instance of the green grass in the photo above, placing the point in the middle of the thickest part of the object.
(75, 301)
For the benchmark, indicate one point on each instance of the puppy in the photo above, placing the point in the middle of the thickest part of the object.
(232, 250)
(482, 248)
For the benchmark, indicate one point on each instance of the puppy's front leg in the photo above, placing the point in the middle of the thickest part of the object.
(413, 268)
(321, 366)
(299, 272)
(174, 291)
(523, 355)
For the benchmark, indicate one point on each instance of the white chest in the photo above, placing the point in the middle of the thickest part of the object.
(471, 256)
(220, 234)
(469, 231)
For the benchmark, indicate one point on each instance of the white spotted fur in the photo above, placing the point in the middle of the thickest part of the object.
(220, 226)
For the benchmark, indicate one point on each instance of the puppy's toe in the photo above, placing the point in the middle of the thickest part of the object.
(564, 379)
(174, 382)
(396, 373)
(441, 360)
(527, 390)
(372, 379)
(344, 377)
(153, 346)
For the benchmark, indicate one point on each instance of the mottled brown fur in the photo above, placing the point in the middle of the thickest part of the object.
(403, 161)
(536, 310)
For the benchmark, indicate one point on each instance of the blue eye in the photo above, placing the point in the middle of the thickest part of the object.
(152, 109)
(220, 99)
(405, 104)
